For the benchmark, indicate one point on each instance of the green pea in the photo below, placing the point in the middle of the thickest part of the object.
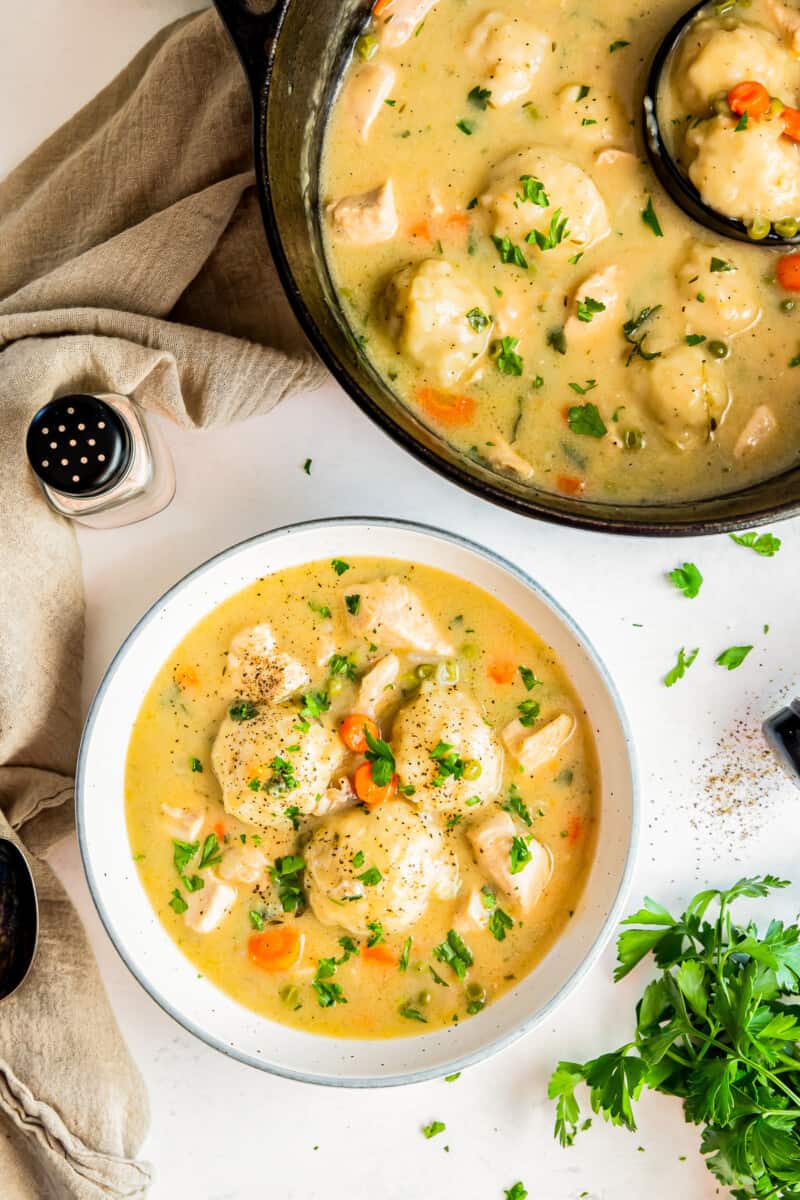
(633, 439)
(475, 991)
(335, 685)
(718, 349)
(472, 769)
(787, 306)
(758, 228)
(776, 106)
(367, 47)
(426, 670)
(408, 681)
(424, 997)
(469, 650)
(787, 228)
(447, 672)
(290, 995)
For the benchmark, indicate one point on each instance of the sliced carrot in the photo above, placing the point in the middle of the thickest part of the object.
(502, 670)
(368, 791)
(788, 272)
(381, 955)
(219, 830)
(458, 222)
(449, 410)
(749, 97)
(574, 830)
(352, 731)
(569, 485)
(186, 677)
(276, 949)
(423, 230)
(380, 6)
(791, 123)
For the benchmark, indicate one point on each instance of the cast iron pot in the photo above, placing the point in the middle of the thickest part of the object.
(294, 53)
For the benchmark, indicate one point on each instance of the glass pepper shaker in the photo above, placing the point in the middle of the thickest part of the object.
(100, 461)
(782, 731)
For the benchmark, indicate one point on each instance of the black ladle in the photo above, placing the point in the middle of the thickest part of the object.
(19, 918)
(675, 182)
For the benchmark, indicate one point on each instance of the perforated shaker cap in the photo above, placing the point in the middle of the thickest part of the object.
(79, 445)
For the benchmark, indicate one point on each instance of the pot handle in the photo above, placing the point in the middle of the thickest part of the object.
(252, 25)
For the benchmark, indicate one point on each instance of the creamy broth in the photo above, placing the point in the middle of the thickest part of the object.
(524, 283)
(181, 751)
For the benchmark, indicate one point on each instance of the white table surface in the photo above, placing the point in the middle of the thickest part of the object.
(222, 1131)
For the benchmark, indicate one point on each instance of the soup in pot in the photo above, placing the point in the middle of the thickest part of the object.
(362, 798)
(508, 261)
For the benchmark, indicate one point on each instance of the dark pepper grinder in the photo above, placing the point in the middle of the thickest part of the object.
(100, 460)
(782, 731)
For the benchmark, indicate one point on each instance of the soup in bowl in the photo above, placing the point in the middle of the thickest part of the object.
(363, 780)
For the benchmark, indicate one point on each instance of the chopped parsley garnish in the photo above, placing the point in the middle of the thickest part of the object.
(376, 934)
(452, 1078)
(618, 45)
(518, 1191)
(632, 327)
(528, 712)
(353, 603)
(412, 1014)
(243, 710)
(467, 127)
(282, 778)
(509, 252)
(533, 192)
(472, 204)
(499, 924)
(650, 219)
(370, 877)
(342, 664)
(520, 854)
(528, 677)
(285, 874)
(585, 419)
(177, 903)
(695, 339)
(733, 657)
(314, 705)
(583, 388)
(209, 856)
(588, 307)
(478, 319)
(583, 92)
(293, 813)
(380, 756)
(307, 466)
(506, 359)
(358, 859)
(455, 953)
(183, 853)
(340, 566)
(256, 919)
(795, 361)
(328, 993)
(349, 947)
(195, 766)
(321, 609)
(574, 259)
(556, 339)
(719, 264)
(434, 1128)
(479, 97)
(557, 230)
(515, 804)
(404, 957)
(681, 666)
(448, 762)
(765, 544)
(687, 579)
(741, 124)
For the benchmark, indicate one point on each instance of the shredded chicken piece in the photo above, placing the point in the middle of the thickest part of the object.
(368, 218)
(208, 907)
(492, 841)
(243, 864)
(788, 21)
(393, 615)
(604, 287)
(182, 823)
(503, 456)
(366, 93)
(341, 795)
(399, 20)
(535, 748)
(760, 427)
(377, 686)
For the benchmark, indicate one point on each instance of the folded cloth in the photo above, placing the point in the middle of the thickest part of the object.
(132, 260)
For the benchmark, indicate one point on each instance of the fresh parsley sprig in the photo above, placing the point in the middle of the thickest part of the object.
(713, 1029)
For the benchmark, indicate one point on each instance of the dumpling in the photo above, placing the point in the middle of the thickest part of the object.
(447, 721)
(593, 116)
(603, 288)
(565, 188)
(428, 306)
(508, 53)
(753, 172)
(384, 866)
(687, 395)
(492, 842)
(366, 219)
(261, 777)
(256, 670)
(713, 59)
(391, 614)
(729, 304)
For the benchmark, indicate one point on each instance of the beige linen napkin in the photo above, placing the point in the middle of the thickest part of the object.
(132, 260)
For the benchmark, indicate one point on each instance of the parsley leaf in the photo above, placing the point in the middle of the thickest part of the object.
(681, 667)
(520, 855)
(499, 924)
(478, 319)
(506, 359)
(177, 903)
(286, 875)
(765, 544)
(586, 419)
(650, 219)
(307, 466)
(588, 307)
(515, 804)
(695, 339)
(404, 957)
(467, 127)
(719, 264)
(557, 230)
(455, 953)
(376, 933)
(195, 766)
(741, 124)
(412, 1014)
(209, 856)
(509, 252)
(618, 45)
(479, 96)
(321, 609)
(243, 710)
(687, 579)
(733, 657)
(528, 712)
(380, 756)
(353, 603)
(529, 679)
(533, 192)
(517, 1192)
(632, 327)
(434, 1128)
(340, 566)
(370, 877)
(342, 664)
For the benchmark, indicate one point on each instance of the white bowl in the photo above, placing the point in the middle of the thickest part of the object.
(154, 958)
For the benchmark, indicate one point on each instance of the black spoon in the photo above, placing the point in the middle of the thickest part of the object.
(672, 178)
(19, 918)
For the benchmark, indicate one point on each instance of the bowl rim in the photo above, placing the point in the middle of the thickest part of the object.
(494, 1045)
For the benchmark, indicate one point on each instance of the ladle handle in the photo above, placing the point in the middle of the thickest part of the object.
(253, 25)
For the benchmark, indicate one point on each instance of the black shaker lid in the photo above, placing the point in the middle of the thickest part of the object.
(782, 731)
(79, 445)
